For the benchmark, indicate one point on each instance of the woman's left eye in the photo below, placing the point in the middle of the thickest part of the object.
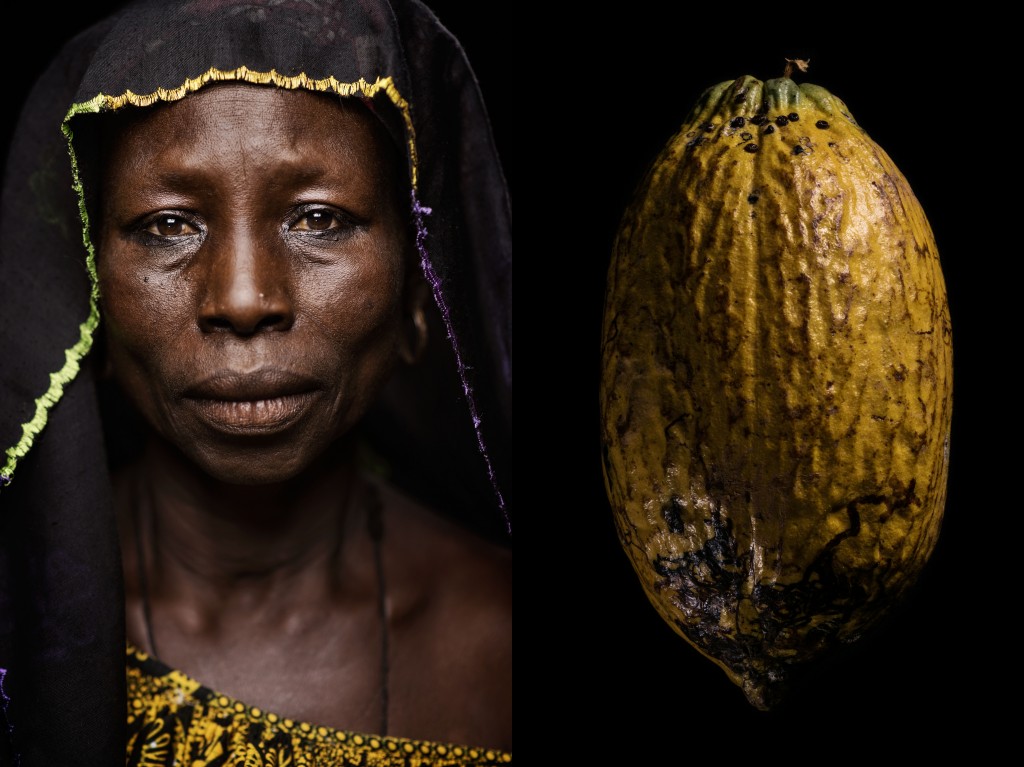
(318, 220)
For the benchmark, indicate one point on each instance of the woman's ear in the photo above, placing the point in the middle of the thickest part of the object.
(413, 341)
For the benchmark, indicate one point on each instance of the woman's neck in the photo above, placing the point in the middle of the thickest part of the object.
(233, 543)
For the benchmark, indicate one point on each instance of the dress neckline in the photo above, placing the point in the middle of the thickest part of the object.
(163, 699)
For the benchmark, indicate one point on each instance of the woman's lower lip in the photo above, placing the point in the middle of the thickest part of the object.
(262, 416)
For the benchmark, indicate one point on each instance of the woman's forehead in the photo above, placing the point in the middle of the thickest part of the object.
(217, 119)
(235, 105)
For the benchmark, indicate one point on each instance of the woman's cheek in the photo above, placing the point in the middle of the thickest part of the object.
(144, 324)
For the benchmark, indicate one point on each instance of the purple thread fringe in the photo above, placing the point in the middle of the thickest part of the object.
(5, 700)
(419, 212)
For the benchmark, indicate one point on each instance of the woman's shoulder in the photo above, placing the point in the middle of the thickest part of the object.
(453, 604)
(450, 566)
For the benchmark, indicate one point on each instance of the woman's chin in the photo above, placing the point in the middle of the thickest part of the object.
(254, 463)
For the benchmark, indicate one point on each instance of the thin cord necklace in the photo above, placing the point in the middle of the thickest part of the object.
(147, 615)
(375, 527)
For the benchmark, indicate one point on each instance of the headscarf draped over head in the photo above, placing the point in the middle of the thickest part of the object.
(440, 425)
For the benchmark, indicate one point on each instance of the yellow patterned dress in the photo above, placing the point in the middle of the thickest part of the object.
(174, 720)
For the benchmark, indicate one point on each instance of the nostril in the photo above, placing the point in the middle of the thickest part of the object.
(215, 323)
(244, 321)
(272, 322)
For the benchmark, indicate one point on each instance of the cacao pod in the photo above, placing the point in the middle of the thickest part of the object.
(776, 387)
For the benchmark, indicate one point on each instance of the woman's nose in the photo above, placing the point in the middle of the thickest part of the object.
(246, 289)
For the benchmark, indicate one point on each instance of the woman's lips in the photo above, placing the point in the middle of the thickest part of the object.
(260, 402)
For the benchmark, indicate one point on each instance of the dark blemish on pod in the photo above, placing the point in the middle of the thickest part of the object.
(798, 149)
(793, 117)
(737, 122)
(769, 129)
(695, 142)
(750, 148)
(708, 127)
(821, 124)
(781, 120)
(753, 198)
(746, 136)
(758, 120)
(673, 512)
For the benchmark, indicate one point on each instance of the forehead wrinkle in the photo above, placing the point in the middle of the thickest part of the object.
(171, 168)
(224, 136)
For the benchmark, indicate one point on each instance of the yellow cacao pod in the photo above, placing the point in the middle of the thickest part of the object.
(776, 386)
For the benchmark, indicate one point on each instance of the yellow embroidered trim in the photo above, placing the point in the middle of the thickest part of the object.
(103, 102)
(384, 85)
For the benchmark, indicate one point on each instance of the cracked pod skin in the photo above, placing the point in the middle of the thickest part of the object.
(776, 386)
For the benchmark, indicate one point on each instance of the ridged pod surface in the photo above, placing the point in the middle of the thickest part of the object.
(776, 386)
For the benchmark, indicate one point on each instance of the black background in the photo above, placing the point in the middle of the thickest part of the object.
(591, 98)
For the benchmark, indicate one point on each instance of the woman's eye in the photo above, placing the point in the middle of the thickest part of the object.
(317, 221)
(170, 225)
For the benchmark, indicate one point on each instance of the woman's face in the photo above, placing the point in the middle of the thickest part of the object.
(252, 255)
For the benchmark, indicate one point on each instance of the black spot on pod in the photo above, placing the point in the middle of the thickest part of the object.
(746, 136)
(672, 513)
(793, 117)
(781, 120)
(737, 122)
(708, 127)
(798, 149)
(750, 148)
(759, 120)
(752, 199)
(821, 124)
(769, 129)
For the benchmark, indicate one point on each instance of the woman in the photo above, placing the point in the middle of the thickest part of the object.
(256, 312)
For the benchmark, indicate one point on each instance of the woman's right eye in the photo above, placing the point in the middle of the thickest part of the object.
(170, 225)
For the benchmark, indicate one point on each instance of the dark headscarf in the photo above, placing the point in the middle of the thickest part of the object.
(444, 428)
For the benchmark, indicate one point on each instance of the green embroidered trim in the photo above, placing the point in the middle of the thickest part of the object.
(72, 356)
(103, 102)
(58, 381)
